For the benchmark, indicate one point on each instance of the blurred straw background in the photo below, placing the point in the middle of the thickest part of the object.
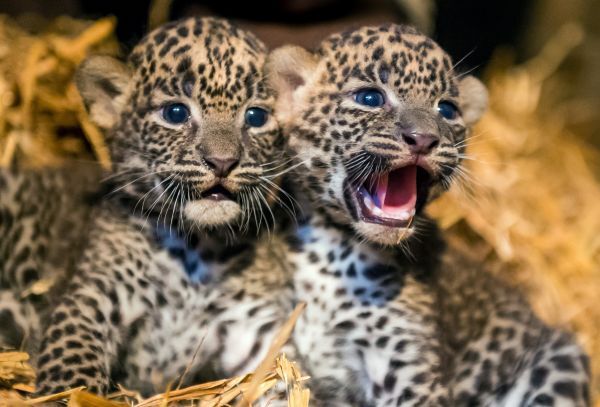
(529, 203)
(530, 200)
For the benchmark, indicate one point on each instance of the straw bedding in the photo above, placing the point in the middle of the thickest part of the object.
(527, 203)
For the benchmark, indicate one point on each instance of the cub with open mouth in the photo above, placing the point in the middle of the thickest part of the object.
(377, 119)
(392, 126)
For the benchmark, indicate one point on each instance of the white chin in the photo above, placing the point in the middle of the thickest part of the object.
(209, 212)
(385, 235)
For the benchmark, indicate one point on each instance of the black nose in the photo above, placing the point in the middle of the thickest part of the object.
(420, 143)
(221, 166)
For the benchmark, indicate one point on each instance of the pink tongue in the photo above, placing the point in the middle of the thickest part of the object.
(397, 191)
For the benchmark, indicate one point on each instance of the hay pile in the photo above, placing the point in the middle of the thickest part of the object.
(243, 389)
(528, 203)
(18, 379)
(531, 197)
(42, 119)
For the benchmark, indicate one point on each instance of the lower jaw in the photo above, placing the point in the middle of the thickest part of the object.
(211, 212)
(382, 234)
(363, 215)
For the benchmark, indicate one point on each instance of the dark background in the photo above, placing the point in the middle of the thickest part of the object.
(472, 31)
(463, 27)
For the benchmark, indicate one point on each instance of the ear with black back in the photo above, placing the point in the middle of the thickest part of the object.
(102, 82)
(288, 69)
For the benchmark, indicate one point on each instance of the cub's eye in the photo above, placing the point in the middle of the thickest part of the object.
(256, 117)
(447, 110)
(369, 97)
(176, 113)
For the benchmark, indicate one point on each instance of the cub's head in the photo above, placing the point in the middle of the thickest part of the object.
(188, 122)
(378, 118)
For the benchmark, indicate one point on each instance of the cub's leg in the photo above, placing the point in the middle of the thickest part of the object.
(120, 278)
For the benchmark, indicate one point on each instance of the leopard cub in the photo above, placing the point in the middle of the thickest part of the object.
(376, 120)
(194, 148)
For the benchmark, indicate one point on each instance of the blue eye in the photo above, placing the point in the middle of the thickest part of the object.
(447, 110)
(176, 113)
(256, 117)
(369, 97)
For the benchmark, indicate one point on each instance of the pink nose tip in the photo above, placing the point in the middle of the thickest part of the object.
(221, 166)
(420, 143)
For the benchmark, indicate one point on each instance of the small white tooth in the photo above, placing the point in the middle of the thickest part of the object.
(369, 203)
(378, 212)
(400, 215)
(405, 215)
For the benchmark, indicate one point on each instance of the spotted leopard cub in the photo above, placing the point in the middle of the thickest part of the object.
(188, 126)
(377, 120)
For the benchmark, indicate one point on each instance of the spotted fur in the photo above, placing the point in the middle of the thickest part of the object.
(158, 235)
(419, 325)
(394, 318)
(382, 327)
(42, 229)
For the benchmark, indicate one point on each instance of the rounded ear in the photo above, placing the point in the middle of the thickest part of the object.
(102, 81)
(473, 99)
(288, 68)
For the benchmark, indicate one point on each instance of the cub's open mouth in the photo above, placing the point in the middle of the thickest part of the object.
(217, 193)
(392, 198)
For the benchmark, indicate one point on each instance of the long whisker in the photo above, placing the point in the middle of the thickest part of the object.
(142, 199)
(468, 71)
(293, 202)
(468, 54)
(287, 169)
(149, 211)
(266, 204)
(167, 202)
(135, 180)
